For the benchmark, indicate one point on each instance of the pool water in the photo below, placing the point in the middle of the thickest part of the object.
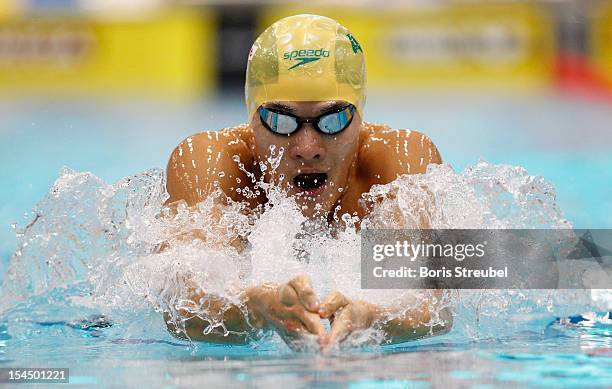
(579, 356)
(565, 140)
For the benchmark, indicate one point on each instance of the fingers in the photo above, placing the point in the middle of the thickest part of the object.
(312, 322)
(332, 303)
(298, 295)
(304, 331)
(287, 295)
(292, 327)
(305, 293)
(343, 325)
(299, 290)
(332, 308)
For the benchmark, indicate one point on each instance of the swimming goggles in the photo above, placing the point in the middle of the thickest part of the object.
(284, 123)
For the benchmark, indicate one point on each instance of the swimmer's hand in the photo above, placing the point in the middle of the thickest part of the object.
(292, 309)
(397, 324)
(346, 316)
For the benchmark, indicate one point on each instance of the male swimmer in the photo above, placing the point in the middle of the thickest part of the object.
(305, 93)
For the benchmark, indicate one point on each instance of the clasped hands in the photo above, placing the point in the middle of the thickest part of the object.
(295, 312)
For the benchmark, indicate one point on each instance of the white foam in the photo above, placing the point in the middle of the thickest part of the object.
(105, 237)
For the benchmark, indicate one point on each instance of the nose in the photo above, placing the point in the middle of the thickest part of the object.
(307, 145)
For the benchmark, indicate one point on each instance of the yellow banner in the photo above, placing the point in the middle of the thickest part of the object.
(8, 8)
(601, 39)
(168, 54)
(471, 45)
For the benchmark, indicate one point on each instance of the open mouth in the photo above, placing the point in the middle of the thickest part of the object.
(310, 181)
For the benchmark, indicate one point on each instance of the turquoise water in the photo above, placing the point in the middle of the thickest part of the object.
(549, 357)
(567, 141)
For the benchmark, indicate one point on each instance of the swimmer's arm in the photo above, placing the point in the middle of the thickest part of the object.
(400, 325)
(195, 326)
(197, 167)
(393, 153)
(416, 152)
(290, 308)
(234, 320)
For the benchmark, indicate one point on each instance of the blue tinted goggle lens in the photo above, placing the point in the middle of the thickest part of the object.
(286, 124)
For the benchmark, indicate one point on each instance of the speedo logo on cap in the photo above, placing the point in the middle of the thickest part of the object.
(305, 56)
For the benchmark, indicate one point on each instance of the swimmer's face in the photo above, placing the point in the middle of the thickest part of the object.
(315, 166)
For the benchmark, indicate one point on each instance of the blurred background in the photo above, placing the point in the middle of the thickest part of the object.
(111, 86)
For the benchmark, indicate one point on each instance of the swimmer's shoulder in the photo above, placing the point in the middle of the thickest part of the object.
(206, 160)
(389, 152)
(227, 140)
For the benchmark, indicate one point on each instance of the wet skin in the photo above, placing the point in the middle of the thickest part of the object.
(351, 162)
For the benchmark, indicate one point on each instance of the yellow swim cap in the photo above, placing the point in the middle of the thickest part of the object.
(305, 58)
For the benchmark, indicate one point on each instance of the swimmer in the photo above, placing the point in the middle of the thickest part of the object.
(305, 94)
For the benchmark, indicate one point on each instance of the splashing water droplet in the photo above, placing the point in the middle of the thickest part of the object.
(118, 268)
(274, 159)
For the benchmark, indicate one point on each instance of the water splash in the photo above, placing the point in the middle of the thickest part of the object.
(117, 249)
